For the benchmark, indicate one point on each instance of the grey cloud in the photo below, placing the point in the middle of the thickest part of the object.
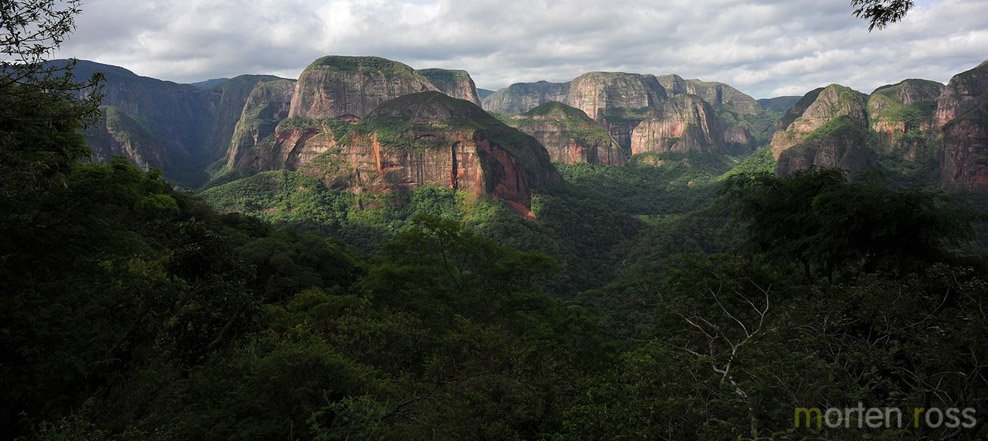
(765, 47)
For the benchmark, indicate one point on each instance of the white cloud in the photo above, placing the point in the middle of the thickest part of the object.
(763, 47)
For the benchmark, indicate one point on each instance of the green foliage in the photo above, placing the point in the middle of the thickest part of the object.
(827, 225)
(364, 65)
(759, 162)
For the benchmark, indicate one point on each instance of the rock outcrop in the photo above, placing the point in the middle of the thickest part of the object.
(821, 107)
(569, 135)
(721, 95)
(962, 112)
(602, 94)
(779, 104)
(902, 116)
(455, 83)
(825, 129)
(268, 104)
(179, 128)
(842, 147)
(335, 86)
(418, 139)
(522, 97)
(685, 123)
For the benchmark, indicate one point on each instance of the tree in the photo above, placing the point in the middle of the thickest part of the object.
(41, 104)
(881, 13)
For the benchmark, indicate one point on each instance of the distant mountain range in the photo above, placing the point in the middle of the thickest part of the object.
(371, 124)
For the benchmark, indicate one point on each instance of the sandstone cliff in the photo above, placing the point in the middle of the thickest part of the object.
(840, 145)
(824, 105)
(718, 94)
(962, 112)
(602, 94)
(522, 97)
(685, 123)
(267, 105)
(335, 86)
(569, 135)
(825, 129)
(418, 139)
(455, 83)
(902, 116)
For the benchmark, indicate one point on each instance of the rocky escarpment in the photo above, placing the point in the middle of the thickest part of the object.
(902, 116)
(522, 97)
(825, 129)
(840, 144)
(685, 123)
(603, 94)
(418, 139)
(569, 135)
(268, 104)
(779, 104)
(178, 128)
(455, 83)
(719, 95)
(117, 134)
(962, 112)
(335, 86)
(821, 107)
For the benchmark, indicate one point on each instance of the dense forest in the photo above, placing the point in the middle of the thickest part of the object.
(707, 299)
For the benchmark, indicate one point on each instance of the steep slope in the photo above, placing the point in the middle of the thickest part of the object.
(685, 123)
(267, 105)
(602, 94)
(962, 112)
(455, 83)
(903, 115)
(418, 139)
(227, 110)
(721, 95)
(779, 104)
(179, 128)
(825, 129)
(522, 97)
(335, 86)
(569, 135)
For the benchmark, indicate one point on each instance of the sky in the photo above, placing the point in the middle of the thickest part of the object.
(765, 48)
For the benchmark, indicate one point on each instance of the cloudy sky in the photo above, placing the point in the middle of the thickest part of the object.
(763, 47)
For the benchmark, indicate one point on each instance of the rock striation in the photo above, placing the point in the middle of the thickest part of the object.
(569, 135)
(522, 97)
(455, 83)
(825, 129)
(962, 113)
(902, 116)
(335, 86)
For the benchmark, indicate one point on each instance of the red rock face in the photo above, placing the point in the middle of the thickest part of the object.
(327, 90)
(962, 110)
(462, 160)
(564, 147)
(683, 124)
(964, 164)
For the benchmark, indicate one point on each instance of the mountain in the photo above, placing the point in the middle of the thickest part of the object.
(569, 135)
(484, 93)
(962, 112)
(827, 128)
(335, 86)
(268, 104)
(685, 123)
(455, 83)
(421, 139)
(522, 97)
(779, 104)
(902, 115)
(179, 128)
